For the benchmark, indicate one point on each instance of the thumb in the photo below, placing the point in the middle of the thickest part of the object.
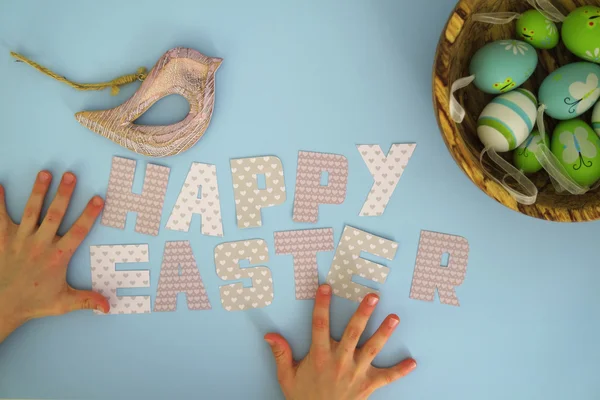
(282, 352)
(87, 300)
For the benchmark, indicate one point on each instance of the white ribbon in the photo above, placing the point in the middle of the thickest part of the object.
(558, 173)
(457, 112)
(496, 18)
(548, 10)
(529, 194)
(540, 121)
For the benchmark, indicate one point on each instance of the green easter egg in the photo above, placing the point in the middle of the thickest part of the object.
(524, 157)
(581, 33)
(596, 118)
(537, 30)
(577, 148)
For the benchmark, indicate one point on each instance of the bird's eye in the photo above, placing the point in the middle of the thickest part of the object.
(508, 80)
(532, 32)
(525, 29)
(592, 24)
(496, 85)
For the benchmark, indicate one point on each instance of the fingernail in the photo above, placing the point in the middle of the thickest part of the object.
(325, 289)
(413, 364)
(99, 308)
(393, 322)
(68, 178)
(270, 342)
(372, 300)
(97, 201)
(43, 177)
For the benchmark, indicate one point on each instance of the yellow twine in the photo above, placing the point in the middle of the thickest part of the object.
(140, 75)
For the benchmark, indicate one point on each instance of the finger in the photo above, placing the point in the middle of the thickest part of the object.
(5, 220)
(57, 209)
(320, 320)
(282, 353)
(73, 238)
(374, 345)
(384, 376)
(33, 208)
(357, 326)
(85, 300)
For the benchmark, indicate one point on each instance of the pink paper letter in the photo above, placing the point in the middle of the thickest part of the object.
(430, 275)
(120, 199)
(171, 281)
(304, 245)
(309, 191)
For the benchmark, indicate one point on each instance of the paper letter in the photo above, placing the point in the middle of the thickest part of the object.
(106, 279)
(430, 275)
(249, 199)
(304, 245)
(179, 255)
(236, 297)
(120, 199)
(201, 178)
(386, 172)
(309, 191)
(347, 262)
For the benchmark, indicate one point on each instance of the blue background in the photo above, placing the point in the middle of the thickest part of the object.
(297, 75)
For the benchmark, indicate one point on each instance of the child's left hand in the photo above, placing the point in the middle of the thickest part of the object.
(34, 260)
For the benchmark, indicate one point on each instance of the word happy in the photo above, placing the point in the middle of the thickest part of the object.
(200, 195)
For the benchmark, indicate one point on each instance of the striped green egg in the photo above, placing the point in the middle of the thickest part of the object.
(507, 120)
(596, 118)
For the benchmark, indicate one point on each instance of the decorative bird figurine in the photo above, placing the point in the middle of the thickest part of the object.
(182, 71)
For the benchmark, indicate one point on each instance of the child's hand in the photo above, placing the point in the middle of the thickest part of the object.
(34, 260)
(337, 370)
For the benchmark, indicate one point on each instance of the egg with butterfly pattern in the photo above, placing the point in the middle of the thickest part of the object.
(581, 33)
(503, 65)
(577, 148)
(571, 90)
(537, 30)
(507, 120)
(596, 118)
(524, 156)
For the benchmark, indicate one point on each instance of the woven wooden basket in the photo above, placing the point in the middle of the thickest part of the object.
(461, 38)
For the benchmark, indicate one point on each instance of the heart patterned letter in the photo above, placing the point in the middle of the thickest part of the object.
(430, 275)
(309, 191)
(249, 199)
(304, 245)
(120, 200)
(347, 263)
(201, 178)
(106, 279)
(179, 255)
(386, 171)
(236, 297)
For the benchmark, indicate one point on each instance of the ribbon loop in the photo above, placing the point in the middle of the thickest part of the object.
(457, 112)
(528, 195)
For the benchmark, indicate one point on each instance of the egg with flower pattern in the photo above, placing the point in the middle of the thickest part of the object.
(503, 65)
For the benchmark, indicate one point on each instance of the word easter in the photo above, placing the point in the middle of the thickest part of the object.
(200, 195)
